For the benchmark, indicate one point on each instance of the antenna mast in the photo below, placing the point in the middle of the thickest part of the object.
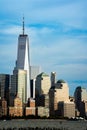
(23, 25)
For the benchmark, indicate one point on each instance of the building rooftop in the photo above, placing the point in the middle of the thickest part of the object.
(23, 35)
(43, 74)
(61, 81)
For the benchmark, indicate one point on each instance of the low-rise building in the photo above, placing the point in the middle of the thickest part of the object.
(31, 102)
(42, 111)
(66, 109)
(17, 109)
(3, 107)
(30, 109)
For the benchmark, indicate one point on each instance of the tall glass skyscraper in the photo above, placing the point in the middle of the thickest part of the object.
(23, 60)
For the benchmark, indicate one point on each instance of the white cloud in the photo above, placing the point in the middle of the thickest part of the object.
(11, 30)
(71, 13)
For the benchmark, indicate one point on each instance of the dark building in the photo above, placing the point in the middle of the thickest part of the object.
(4, 86)
(3, 107)
(80, 96)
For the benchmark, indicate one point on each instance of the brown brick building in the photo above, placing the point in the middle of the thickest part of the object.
(30, 110)
(3, 107)
(17, 110)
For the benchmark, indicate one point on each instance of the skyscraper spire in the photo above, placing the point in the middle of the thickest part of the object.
(23, 25)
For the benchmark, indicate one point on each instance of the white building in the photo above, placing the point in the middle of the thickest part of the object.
(61, 91)
(43, 83)
(18, 85)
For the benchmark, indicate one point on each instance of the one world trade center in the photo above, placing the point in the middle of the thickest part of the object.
(23, 60)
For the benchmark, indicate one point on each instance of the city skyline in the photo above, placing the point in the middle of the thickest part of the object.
(57, 33)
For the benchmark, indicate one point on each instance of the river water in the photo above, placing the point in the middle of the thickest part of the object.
(43, 123)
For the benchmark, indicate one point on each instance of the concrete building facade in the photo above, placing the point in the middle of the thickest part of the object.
(43, 83)
(18, 85)
(59, 93)
(66, 109)
(42, 111)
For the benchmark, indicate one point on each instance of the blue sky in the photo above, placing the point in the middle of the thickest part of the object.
(57, 32)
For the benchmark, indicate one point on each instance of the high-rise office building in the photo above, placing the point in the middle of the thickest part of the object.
(18, 83)
(58, 94)
(23, 60)
(80, 95)
(34, 71)
(43, 83)
(32, 84)
(53, 78)
(4, 86)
